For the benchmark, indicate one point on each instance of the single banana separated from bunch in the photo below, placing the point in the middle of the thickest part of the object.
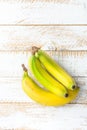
(55, 69)
(45, 79)
(42, 96)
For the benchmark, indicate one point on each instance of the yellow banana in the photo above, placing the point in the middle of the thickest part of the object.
(45, 79)
(42, 96)
(55, 70)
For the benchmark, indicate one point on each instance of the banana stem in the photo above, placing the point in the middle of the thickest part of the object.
(35, 49)
(24, 68)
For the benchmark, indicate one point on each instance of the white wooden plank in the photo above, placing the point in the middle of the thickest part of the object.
(75, 2)
(49, 37)
(11, 91)
(74, 62)
(33, 117)
(54, 1)
(43, 12)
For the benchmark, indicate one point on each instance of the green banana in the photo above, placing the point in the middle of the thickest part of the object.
(45, 79)
(42, 96)
(55, 70)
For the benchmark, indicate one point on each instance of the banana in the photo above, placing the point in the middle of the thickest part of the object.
(42, 96)
(45, 79)
(55, 70)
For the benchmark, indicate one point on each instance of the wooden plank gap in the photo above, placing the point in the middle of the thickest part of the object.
(43, 24)
(49, 51)
(32, 103)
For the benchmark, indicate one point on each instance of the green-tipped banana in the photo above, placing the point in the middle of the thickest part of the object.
(45, 79)
(42, 96)
(56, 70)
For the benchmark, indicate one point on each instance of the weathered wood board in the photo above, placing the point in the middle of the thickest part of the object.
(19, 12)
(23, 116)
(20, 38)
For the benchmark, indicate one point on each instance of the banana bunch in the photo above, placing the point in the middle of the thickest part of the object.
(58, 87)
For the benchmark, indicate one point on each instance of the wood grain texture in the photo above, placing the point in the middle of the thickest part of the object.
(27, 116)
(20, 38)
(43, 12)
(11, 91)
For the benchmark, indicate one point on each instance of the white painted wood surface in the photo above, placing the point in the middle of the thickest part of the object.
(25, 23)
(43, 12)
(33, 117)
(20, 38)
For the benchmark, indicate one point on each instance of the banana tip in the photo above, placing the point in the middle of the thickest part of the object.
(73, 87)
(66, 95)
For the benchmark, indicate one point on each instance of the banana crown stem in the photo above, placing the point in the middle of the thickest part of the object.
(25, 71)
(24, 68)
(35, 49)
